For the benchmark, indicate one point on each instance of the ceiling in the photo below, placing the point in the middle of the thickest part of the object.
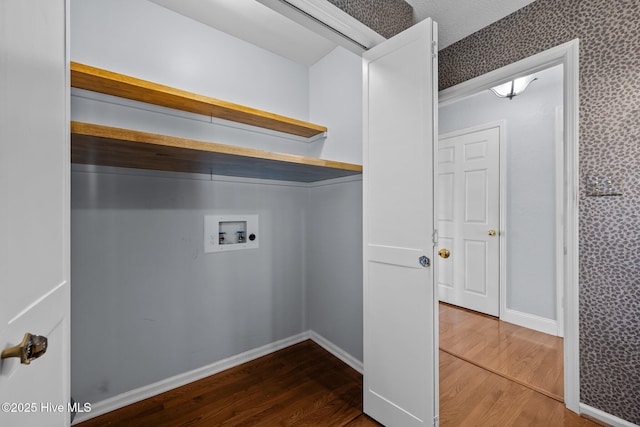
(459, 18)
(258, 24)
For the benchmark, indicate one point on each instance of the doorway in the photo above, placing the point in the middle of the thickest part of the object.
(508, 195)
(468, 218)
(566, 259)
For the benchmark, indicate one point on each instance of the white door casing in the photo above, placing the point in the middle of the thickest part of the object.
(468, 218)
(400, 315)
(34, 212)
(566, 54)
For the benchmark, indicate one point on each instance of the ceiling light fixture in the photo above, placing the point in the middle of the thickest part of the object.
(513, 88)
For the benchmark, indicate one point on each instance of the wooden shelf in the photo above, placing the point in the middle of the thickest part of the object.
(108, 82)
(108, 146)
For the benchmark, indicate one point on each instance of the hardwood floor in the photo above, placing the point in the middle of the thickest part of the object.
(528, 357)
(300, 385)
(472, 396)
(304, 385)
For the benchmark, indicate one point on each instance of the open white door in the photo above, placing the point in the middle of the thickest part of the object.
(400, 315)
(34, 210)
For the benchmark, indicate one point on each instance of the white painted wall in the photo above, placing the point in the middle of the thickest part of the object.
(144, 40)
(335, 98)
(530, 139)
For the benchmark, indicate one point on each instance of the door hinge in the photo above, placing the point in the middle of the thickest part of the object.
(434, 49)
(436, 421)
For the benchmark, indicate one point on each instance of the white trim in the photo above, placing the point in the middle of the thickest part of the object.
(503, 218)
(559, 222)
(336, 351)
(604, 417)
(531, 321)
(136, 395)
(329, 21)
(571, 61)
(339, 20)
(434, 270)
(567, 55)
(66, 225)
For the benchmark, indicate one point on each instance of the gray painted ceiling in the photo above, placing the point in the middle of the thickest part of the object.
(255, 23)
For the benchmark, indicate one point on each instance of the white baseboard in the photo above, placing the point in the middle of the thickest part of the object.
(133, 396)
(608, 419)
(531, 321)
(336, 351)
(124, 399)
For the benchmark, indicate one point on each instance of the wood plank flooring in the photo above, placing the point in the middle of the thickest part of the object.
(300, 385)
(528, 357)
(471, 396)
(304, 385)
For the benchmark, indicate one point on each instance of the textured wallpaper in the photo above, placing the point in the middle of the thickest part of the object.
(386, 17)
(609, 33)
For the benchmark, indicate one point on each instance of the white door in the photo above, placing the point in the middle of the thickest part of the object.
(469, 219)
(400, 324)
(34, 209)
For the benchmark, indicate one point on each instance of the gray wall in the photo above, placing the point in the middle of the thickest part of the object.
(334, 264)
(530, 184)
(609, 143)
(147, 303)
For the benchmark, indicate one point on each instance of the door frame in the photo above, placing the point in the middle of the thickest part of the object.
(567, 55)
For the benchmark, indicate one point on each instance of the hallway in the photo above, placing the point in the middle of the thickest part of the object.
(530, 358)
(494, 373)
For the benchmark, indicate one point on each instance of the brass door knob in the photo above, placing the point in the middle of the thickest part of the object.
(31, 347)
(444, 253)
(492, 232)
